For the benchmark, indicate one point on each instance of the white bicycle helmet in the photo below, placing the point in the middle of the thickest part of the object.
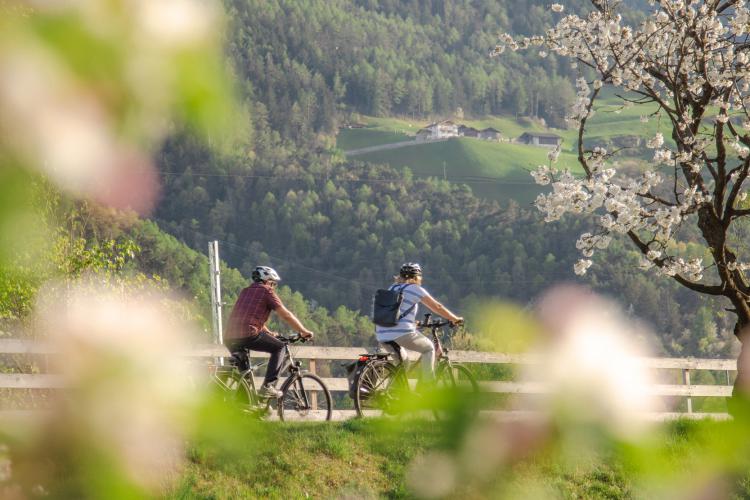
(262, 274)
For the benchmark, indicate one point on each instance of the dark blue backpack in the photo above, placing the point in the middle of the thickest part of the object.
(387, 305)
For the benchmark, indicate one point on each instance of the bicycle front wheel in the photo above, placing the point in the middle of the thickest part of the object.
(305, 397)
(460, 392)
(456, 376)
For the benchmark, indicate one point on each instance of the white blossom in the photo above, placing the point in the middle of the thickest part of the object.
(542, 175)
(662, 156)
(656, 142)
(680, 181)
(582, 266)
(554, 154)
(653, 254)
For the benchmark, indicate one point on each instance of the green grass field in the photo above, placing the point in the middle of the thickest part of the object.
(352, 459)
(493, 170)
(375, 459)
(356, 138)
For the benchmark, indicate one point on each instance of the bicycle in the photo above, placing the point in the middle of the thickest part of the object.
(304, 394)
(383, 382)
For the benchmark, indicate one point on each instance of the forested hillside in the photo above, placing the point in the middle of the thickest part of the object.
(306, 61)
(338, 229)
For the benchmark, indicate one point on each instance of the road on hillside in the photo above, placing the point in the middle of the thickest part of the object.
(392, 145)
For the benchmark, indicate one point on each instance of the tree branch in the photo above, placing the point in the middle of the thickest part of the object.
(581, 127)
(698, 287)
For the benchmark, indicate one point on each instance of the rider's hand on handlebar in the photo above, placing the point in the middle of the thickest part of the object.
(306, 334)
(458, 321)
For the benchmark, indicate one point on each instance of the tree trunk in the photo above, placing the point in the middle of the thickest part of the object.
(740, 401)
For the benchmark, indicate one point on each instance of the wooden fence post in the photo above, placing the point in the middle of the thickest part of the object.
(314, 394)
(686, 380)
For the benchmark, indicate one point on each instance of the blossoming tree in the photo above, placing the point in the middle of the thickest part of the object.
(689, 62)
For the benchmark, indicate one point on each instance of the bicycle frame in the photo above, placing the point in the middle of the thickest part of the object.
(300, 391)
(441, 352)
(381, 395)
(288, 364)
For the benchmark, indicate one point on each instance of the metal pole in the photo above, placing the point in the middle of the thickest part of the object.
(215, 272)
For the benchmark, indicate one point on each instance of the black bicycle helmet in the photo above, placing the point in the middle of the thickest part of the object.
(410, 270)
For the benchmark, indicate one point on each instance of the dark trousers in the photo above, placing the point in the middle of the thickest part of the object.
(263, 342)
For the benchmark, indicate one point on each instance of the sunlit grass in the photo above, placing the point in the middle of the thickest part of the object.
(357, 458)
(370, 458)
(495, 170)
(355, 138)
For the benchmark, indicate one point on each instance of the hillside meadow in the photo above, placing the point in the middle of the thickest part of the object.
(499, 170)
(493, 170)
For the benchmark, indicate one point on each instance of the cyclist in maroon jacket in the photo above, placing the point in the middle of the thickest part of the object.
(247, 324)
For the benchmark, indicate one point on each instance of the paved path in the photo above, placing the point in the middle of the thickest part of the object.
(392, 145)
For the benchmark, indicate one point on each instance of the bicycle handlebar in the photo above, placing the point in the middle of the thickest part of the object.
(296, 337)
(426, 323)
(434, 324)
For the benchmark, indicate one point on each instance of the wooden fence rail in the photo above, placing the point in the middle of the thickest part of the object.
(318, 354)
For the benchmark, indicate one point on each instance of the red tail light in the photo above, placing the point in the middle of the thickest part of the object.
(364, 358)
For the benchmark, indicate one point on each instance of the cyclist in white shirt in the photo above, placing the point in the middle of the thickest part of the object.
(405, 335)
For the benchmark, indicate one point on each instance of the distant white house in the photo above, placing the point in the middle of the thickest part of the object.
(438, 130)
(540, 139)
(447, 128)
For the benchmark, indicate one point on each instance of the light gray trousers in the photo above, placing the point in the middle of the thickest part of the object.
(419, 343)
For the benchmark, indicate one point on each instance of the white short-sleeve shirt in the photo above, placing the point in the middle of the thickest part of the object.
(413, 295)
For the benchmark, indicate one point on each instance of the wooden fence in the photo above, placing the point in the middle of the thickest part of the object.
(682, 369)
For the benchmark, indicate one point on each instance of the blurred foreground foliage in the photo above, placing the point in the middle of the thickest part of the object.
(88, 90)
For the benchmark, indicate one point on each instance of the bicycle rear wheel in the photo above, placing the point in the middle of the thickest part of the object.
(305, 397)
(374, 395)
(233, 389)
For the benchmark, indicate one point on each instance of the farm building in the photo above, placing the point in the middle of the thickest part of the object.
(540, 139)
